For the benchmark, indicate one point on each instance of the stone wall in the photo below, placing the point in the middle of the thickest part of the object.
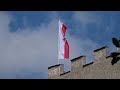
(101, 68)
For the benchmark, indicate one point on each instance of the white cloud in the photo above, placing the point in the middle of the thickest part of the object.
(86, 17)
(97, 19)
(32, 49)
(35, 49)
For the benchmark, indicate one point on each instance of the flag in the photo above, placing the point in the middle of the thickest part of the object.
(63, 46)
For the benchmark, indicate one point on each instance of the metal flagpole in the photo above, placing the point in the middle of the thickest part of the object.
(58, 48)
(58, 41)
(58, 44)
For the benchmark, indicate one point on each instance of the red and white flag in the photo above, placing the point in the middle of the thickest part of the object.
(63, 46)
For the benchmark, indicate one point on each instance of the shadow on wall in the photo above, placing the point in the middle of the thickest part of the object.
(114, 55)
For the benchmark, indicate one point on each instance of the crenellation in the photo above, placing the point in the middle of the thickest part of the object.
(65, 73)
(55, 70)
(100, 54)
(100, 68)
(78, 62)
(88, 64)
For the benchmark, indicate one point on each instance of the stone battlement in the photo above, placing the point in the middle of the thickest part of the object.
(104, 67)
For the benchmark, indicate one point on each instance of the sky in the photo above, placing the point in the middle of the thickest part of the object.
(29, 39)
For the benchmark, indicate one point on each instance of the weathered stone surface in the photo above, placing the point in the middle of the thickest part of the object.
(55, 70)
(101, 68)
(78, 62)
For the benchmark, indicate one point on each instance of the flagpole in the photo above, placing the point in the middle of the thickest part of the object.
(58, 48)
(58, 41)
(58, 45)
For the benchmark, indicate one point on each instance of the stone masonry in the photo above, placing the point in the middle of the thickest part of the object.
(101, 68)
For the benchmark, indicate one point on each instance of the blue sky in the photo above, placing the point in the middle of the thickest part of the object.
(28, 39)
